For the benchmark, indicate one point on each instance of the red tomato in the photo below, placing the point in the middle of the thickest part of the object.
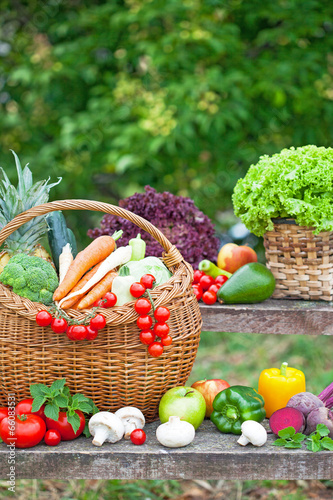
(155, 349)
(52, 437)
(43, 318)
(166, 340)
(209, 298)
(108, 300)
(3, 412)
(197, 275)
(137, 289)
(161, 329)
(59, 325)
(25, 432)
(214, 288)
(147, 280)
(91, 333)
(64, 428)
(198, 291)
(144, 322)
(24, 407)
(206, 281)
(220, 280)
(142, 306)
(69, 332)
(78, 332)
(98, 322)
(138, 436)
(147, 337)
(161, 314)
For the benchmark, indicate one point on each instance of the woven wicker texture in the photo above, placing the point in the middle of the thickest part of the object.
(301, 261)
(115, 369)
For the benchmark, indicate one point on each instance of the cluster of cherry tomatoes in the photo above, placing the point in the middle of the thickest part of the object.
(142, 306)
(205, 287)
(74, 332)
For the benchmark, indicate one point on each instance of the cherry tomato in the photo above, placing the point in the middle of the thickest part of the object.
(161, 314)
(198, 291)
(59, 325)
(137, 289)
(91, 333)
(161, 329)
(69, 332)
(108, 300)
(155, 349)
(3, 412)
(24, 408)
(144, 322)
(98, 322)
(64, 428)
(43, 318)
(220, 280)
(147, 337)
(78, 332)
(197, 275)
(166, 340)
(209, 298)
(206, 281)
(214, 288)
(27, 431)
(147, 280)
(52, 437)
(138, 436)
(142, 306)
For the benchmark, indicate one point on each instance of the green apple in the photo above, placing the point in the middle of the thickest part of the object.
(184, 402)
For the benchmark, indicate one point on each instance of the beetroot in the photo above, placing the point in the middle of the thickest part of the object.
(305, 402)
(287, 417)
(319, 416)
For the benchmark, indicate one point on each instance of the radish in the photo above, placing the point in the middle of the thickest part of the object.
(287, 417)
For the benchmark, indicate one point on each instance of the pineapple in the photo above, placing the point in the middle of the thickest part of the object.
(16, 200)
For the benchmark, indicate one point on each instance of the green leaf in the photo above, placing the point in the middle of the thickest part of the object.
(74, 420)
(286, 433)
(58, 385)
(322, 429)
(313, 445)
(85, 407)
(52, 411)
(37, 403)
(79, 397)
(280, 442)
(299, 437)
(327, 443)
(86, 430)
(293, 444)
(61, 401)
(38, 390)
(66, 391)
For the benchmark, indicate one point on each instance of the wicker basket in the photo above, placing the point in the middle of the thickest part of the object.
(115, 369)
(301, 261)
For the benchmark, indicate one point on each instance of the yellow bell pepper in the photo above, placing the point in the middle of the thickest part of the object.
(277, 386)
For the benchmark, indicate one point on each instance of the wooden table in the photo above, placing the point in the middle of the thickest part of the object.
(212, 455)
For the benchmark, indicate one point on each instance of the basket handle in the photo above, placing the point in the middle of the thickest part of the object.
(171, 257)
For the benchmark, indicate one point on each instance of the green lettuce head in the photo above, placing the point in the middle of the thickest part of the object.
(296, 183)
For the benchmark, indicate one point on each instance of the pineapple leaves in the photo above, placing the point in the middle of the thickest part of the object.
(24, 177)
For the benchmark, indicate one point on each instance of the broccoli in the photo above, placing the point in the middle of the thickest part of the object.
(31, 277)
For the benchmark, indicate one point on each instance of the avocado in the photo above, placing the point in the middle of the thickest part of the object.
(251, 283)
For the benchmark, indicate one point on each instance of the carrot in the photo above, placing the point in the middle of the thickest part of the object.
(94, 253)
(69, 302)
(98, 290)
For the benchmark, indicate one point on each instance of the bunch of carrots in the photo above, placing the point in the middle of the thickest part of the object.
(89, 276)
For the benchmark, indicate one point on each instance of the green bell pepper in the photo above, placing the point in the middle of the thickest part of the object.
(234, 405)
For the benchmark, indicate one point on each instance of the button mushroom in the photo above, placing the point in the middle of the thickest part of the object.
(252, 432)
(175, 433)
(132, 418)
(105, 426)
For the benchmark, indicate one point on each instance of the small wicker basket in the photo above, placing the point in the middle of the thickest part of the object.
(301, 261)
(115, 369)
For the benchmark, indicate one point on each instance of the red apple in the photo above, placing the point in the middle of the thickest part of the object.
(231, 257)
(209, 389)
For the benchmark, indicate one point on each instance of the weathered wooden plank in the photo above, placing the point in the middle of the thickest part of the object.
(212, 455)
(272, 316)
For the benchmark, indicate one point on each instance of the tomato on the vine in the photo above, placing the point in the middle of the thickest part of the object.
(142, 306)
(108, 300)
(91, 333)
(59, 325)
(197, 275)
(209, 298)
(198, 291)
(155, 349)
(161, 329)
(43, 318)
(161, 314)
(24, 408)
(28, 430)
(147, 280)
(138, 436)
(52, 437)
(144, 322)
(137, 289)
(147, 337)
(78, 332)
(206, 281)
(221, 279)
(98, 322)
(166, 340)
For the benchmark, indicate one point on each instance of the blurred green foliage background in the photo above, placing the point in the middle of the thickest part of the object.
(180, 94)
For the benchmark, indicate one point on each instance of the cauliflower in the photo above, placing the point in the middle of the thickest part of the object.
(30, 277)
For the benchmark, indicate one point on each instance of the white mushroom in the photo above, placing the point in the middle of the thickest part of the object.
(252, 432)
(105, 426)
(132, 418)
(175, 433)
